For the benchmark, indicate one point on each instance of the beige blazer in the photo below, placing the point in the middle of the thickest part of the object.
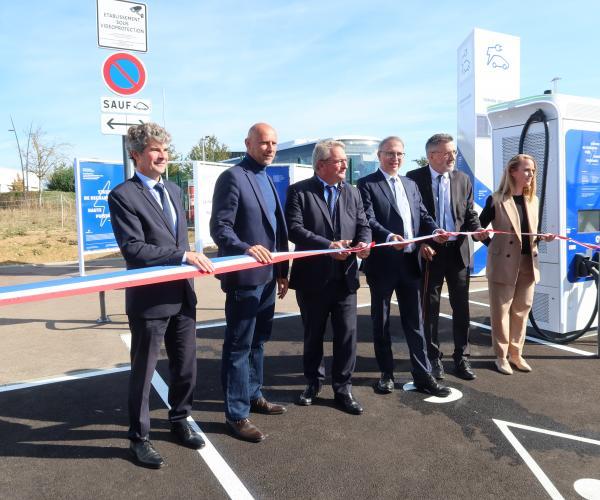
(504, 252)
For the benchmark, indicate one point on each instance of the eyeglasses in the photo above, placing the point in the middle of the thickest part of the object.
(446, 154)
(392, 154)
(337, 163)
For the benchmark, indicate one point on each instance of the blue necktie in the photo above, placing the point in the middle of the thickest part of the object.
(441, 204)
(330, 200)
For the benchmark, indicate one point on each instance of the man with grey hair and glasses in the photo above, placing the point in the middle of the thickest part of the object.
(447, 194)
(326, 212)
(395, 213)
(150, 227)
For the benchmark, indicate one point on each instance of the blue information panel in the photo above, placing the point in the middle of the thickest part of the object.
(582, 159)
(94, 180)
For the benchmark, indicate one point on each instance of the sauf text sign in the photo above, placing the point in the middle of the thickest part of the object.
(125, 106)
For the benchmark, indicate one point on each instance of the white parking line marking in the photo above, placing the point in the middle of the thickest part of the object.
(446, 296)
(588, 488)
(478, 303)
(528, 459)
(215, 324)
(64, 378)
(454, 395)
(533, 339)
(224, 474)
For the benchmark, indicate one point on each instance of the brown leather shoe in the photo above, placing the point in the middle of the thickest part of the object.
(261, 405)
(246, 430)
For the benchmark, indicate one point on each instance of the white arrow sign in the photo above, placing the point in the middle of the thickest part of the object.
(125, 105)
(119, 124)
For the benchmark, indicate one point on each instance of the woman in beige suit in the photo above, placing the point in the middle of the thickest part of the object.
(512, 260)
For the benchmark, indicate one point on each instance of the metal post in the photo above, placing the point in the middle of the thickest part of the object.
(127, 163)
(103, 317)
(23, 172)
(26, 180)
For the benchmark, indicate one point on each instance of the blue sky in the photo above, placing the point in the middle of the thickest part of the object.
(310, 68)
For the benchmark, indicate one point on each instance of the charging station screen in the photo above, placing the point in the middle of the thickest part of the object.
(588, 221)
(582, 163)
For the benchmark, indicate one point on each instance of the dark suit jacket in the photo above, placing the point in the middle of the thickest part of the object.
(311, 228)
(240, 220)
(384, 264)
(461, 201)
(146, 239)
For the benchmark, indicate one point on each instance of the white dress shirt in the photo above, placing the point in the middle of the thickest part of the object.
(403, 207)
(441, 186)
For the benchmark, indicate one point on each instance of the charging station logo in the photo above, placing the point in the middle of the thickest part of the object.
(465, 62)
(495, 59)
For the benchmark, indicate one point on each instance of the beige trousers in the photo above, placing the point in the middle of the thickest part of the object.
(509, 309)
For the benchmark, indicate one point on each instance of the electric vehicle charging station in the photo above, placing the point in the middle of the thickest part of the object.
(567, 152)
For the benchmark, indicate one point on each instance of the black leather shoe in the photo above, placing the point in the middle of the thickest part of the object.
(385, 384)
(144, 454)
(310, 392)
(187, 436)
(426, 383)
(437, 369)
(348, 403)
(463, 369)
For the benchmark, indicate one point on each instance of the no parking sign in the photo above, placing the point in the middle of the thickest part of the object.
(124, 73)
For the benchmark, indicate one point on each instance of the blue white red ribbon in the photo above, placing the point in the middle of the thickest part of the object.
(66, 287)
(79, 285)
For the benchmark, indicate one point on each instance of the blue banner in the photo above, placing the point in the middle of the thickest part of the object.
(94, 180)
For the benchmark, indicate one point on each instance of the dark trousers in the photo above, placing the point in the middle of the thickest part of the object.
(333, 301)
(408, 295)
(249, 315)
(179, 334)
(447, 264)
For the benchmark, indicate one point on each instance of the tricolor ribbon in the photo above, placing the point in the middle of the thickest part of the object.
(66, 287)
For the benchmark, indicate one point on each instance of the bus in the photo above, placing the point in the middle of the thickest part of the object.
(361, 151)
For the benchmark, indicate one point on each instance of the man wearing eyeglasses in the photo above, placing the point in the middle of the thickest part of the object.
(448, 196)
(324, 212)
(395, 213)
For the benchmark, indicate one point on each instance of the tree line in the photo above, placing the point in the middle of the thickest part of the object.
(47, 161)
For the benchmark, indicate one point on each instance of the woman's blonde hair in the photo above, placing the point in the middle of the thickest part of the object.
(507, 183)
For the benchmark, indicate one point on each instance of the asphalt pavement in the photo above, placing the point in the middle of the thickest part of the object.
(63, 419)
